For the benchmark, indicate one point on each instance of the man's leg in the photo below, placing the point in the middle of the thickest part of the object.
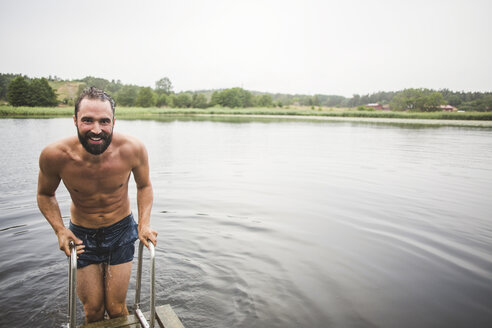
(90, 289)
(117, 278)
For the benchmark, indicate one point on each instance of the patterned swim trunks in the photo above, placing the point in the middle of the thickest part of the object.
(114, 244)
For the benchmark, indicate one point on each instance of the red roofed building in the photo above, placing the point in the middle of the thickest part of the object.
(375, 106)
(448, 108)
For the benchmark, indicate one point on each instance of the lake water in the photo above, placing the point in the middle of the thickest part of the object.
(278, 223)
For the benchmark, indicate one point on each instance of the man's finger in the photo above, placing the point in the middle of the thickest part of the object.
(76, 240)
(153, 237)
(66, 249)
(80, 249)
(144, 241)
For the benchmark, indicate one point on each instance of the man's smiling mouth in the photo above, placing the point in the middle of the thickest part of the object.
(95, 139)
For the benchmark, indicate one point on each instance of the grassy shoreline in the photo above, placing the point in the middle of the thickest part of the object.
(136, 112)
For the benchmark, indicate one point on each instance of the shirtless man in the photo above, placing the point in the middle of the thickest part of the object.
(95, 168)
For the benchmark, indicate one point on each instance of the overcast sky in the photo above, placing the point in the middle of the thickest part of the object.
(288, 46)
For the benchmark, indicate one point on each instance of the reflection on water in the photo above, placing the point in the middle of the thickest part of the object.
(279, 223)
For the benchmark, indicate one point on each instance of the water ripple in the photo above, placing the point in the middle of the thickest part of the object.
(434, 245)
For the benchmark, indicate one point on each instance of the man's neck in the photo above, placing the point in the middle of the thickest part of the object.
(94, 159)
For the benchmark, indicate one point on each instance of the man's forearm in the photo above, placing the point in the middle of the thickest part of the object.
(48, 205)
(51, 211)
(145, 198)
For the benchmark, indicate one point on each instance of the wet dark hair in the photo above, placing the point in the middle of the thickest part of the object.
(94, 93)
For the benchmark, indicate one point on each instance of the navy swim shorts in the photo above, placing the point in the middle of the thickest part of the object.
(113, 245)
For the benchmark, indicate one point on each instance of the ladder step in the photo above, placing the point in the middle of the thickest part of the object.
(166, 317)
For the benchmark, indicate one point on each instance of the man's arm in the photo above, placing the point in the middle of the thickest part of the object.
(48, 181)
(145, 197)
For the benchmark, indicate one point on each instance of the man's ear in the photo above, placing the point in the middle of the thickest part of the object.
(75, 120)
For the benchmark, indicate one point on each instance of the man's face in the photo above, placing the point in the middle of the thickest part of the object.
(94, 124)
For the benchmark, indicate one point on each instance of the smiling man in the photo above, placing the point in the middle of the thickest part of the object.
(95, 167)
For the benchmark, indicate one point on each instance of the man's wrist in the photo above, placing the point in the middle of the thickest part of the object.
(143, 227)
(59, 229)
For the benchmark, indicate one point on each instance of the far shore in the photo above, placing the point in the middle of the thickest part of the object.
(471, 123)
(478, 119)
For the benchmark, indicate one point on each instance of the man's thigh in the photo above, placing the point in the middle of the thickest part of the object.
(90, 285)
(116, 282)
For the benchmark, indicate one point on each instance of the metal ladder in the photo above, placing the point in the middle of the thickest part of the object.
(136, 306)
(72, 283)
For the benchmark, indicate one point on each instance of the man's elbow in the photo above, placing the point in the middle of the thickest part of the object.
(145, 191)
(144, 187)
(43, 196)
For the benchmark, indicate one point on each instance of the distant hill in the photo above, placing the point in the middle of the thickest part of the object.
(66, 91)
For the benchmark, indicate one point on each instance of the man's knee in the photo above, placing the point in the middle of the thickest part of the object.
(94, 312)
(116, 309)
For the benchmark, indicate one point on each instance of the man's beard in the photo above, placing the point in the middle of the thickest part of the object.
(95, 149)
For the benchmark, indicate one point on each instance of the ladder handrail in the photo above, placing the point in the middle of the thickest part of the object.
(139, 285)
(72, 283)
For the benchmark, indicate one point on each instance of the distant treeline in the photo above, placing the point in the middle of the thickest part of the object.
(20, 90)
(23, 91)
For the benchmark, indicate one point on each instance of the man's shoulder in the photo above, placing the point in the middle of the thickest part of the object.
(129, 146)
(57, 153)
(127, 142)
(60, 147)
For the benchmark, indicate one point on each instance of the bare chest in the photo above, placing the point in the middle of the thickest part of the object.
(101, 178)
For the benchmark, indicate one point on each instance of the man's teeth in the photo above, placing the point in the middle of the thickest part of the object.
(95, 139)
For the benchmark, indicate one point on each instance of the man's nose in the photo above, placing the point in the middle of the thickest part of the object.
(96, 128)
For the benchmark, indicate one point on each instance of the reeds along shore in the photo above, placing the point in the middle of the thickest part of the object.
(135, 112)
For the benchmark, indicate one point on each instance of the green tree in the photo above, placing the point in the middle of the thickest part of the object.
(145, 97)
(432, 101)
(199, 101)
(18, 92)
(171, 99)
(483, 104)
(454, 100)
(265, 101)
(5, 80)
(246, 97)
(405, 100)
(233, 98)
(164, 85)
(127, 95)
(162, 100)
(486, 102)
(183, 100)
(332, 101)
(354, 101)
(423, 100)
(216, 98)
(113, 87)
(41, 94)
